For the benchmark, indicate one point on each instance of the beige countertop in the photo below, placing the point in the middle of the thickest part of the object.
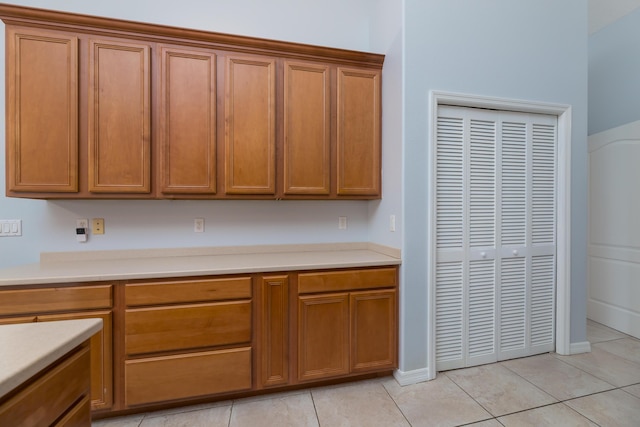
(28, 348)
(65, 267)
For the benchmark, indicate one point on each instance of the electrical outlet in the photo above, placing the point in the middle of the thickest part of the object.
(198, 225)
(342, 223)
(97, 226)
(82, 223)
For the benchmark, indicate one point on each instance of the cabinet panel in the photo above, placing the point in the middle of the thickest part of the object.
(373, 330)
(119, 117)
(101, 356)
(333, 281)
(359, 143)
(59, 388)
(78, 416)
(149, 330)
(323, 336)
(183, 291)
(307, 129)
(42, 111)
(47, 300)
(167, 378)
(188, 121)
(274, 353)
(250, 119)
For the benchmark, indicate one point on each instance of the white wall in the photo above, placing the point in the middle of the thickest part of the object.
(531, 50)
(49, 225)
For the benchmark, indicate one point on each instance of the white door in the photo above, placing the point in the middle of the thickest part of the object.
(495, 235)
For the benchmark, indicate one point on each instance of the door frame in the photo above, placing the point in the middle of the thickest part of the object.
(563, 207)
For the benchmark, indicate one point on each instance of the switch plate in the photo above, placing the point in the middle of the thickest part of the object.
(198, 225)
(97, 226)
(10, 227)
(392, 223)
(342, 223)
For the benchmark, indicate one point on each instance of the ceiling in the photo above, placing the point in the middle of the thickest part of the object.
(604, 12)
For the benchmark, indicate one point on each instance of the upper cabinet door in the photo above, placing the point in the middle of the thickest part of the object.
(359, 143)
(188, 121)
(307, 129)
(250, 125)
(42, 111)
(119, 117)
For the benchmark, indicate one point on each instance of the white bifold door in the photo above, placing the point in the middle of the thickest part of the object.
(495, 235)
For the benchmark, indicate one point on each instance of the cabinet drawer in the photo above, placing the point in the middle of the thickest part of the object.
(53, 393)
(333, 281)
(49, 300)
(184, 327)
(79, 415)
(176, 292)
(167, 378)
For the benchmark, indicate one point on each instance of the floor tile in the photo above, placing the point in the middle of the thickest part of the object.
(597, 332)
(439, 402)
(606, 366)
(499, 390)
(211, 417)
(628, 348)
(633, 389)
(488, 423)
(190, 408)
(552, 415)
(611, 408)
(559, 379)
(292, 410)
(128, 421)
(366, 405)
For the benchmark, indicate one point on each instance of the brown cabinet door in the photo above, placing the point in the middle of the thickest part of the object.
(323, 336)
(250, 125)
(42, 111)
(101, 356)
(274, 331)
(307, 129)
(188, 121)
(373, 330)
(358, 143)
(119, 117)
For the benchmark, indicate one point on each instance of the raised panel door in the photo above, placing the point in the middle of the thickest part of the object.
(188, 121)
(358, 136)
(307, 129)
(250, 125)
(119, 117)
(42, 111)
(323, 336)
(373, 330)
(274, 348)
(101, 356)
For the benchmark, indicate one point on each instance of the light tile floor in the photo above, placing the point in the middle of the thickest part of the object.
(601, 388)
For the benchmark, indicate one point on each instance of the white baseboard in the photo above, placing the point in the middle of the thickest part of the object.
(411, 377)
(580, 347)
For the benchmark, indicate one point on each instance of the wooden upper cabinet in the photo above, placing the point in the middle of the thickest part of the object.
(42, 111)
(358, 143)
(307, 128)
(119, 117)
(250, 125)
(188, 121)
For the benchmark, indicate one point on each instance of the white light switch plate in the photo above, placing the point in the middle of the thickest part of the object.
(10, 227)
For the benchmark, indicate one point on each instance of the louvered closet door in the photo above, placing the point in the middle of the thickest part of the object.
(495, 235)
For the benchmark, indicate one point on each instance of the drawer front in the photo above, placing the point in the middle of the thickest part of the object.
(335, 281)
(49, 300)
(177, 292)
(184, 327)
(59, 388)
(80, 415)
(192, 375)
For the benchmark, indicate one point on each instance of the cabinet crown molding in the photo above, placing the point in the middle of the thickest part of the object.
(50, 19)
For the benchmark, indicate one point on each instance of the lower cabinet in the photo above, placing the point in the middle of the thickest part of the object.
(192, 375)
(169, 341)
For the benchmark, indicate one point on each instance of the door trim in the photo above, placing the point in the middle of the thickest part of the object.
(563, 208)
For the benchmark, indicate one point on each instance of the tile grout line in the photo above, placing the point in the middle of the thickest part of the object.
(315, 410)
(396, 403)
(472, 398)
